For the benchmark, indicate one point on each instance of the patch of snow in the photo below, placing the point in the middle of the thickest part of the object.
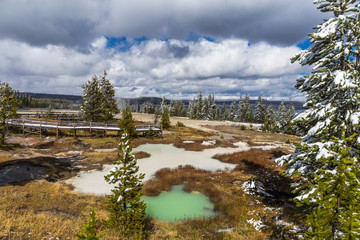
(354, 118)
(305, 195)
(264, 193)
(333, 172)
(248, 187)
(267, 147)
(188, 142)
(208, 143)
(243, 146)
(283, 159)
(327, 28)
(257, 224)
(105, 150)
(225, 230)
(323, 153)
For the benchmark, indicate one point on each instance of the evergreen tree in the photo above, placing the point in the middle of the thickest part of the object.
(147, 107)
(98, 99)
(108, 103)
(177, 108)
(282, 117)
(92, 100)
(269, 120)
(260, 110)
(126, 209)
(192, 111)
(126, 123)
(248, 113)
(242, 110)
(165, 118)
(205, 109)
(327, 160)
(232, 112)
(172, 108)
(163, 104)
(8, 107)
(213, 108)
(182, 109)
(217, 114)
(199, 107)
(223, 112)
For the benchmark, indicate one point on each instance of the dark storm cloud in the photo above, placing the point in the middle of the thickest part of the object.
(79, 22)
(40, 22)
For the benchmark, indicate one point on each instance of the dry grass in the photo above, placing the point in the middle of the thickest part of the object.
(180, 133)
(94, 159)
(6, 157)
(101, 142)
(41, 210)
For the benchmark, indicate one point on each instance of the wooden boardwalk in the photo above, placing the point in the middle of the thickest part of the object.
(40, 125)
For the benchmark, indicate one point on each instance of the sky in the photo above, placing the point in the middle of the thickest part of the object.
(160, 48)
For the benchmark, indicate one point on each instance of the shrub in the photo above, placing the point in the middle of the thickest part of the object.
(180, 124)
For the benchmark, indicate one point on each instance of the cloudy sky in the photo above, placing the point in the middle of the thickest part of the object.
(171, 48)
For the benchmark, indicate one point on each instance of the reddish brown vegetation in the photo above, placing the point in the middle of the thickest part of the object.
(257, 158)
(141, 154)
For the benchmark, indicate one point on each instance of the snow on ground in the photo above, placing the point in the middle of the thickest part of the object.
(208, 143)
(256, 223)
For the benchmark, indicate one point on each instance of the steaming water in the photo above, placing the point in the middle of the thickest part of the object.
(162, 156)
(178, 205)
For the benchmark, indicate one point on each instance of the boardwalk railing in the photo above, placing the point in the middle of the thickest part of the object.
(44, 124)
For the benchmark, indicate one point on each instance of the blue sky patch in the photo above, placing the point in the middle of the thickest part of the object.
(122, 43)
(304, 45)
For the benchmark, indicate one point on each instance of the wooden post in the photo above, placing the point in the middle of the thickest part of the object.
(105, 129)
(90, 127)
(74, 129)
(23, 127)
(57, 130)
(40, 129)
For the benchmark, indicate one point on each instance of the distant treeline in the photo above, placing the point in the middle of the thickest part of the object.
(38, 100)
(136, 103)
(206, 108)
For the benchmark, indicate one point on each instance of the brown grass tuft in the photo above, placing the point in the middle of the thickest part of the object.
(141, 154)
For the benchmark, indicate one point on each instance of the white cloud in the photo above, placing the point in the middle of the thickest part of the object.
(56, 46)
(173, 68)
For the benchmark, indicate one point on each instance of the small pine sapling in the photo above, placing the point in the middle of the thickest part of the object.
(126, 209)
(90, 230)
